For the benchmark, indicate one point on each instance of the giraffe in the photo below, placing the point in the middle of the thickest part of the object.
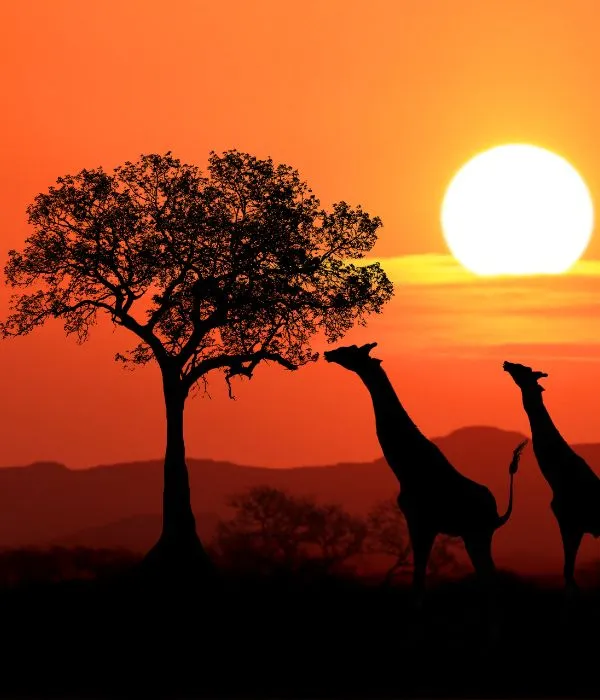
(435, 498)
(575, 487)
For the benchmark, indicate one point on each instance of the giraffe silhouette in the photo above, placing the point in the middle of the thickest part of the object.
(435, 498)
(575, 487)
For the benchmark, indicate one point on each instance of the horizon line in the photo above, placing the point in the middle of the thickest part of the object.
(160, 460)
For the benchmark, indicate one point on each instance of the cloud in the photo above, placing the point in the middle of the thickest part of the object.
(433, 269)
(523, 352)
(439, 306)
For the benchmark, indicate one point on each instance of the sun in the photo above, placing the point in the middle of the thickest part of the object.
(517, 209)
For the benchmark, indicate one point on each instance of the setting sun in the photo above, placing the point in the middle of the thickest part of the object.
(517, 209)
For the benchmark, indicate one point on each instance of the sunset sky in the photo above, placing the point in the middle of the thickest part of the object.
(377, 103)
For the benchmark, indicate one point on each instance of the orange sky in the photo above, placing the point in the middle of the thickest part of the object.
(377, 103)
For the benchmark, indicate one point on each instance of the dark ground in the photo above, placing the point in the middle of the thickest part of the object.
(114, 637)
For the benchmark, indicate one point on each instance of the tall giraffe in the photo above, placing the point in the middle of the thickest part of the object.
(575, 487)
(434, 497)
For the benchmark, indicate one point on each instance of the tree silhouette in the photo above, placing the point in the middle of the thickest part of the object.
(266, 532)
(211, 272)
(273, 530)
(336, 533)
(388, 534)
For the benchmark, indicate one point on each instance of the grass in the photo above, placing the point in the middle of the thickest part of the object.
(273, 637)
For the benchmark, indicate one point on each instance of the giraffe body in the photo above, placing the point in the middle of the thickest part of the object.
(575, 487)
(435, 497)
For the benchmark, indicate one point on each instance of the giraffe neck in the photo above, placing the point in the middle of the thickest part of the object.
(396, 431)
(548, 444)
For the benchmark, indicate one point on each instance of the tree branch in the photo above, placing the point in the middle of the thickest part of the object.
(126, 321)
(235, 362)
(200, 327)
(166, 301)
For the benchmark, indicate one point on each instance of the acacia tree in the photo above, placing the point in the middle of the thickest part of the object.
(215, 271)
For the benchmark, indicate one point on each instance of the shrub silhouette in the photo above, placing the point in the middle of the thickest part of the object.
(215, 272)
(54, 564)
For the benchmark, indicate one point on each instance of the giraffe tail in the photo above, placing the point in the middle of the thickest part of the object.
(512, 470)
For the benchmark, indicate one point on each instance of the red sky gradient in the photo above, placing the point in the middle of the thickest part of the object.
(377, 103)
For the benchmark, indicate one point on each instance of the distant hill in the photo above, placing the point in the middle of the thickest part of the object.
(47, 503)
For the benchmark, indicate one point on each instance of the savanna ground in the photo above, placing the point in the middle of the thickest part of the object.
(95, 631)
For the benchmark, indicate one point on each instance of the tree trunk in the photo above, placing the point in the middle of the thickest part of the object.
(178, 519)
(178, 554)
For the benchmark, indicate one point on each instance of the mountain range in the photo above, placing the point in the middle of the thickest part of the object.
(119, 505)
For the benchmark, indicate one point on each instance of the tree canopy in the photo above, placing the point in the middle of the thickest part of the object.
(210, 271)
(272, 528)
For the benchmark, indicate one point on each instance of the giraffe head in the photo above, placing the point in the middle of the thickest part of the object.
(524, 377)
(353, 357)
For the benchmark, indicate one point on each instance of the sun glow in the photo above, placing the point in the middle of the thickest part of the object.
(517, 210)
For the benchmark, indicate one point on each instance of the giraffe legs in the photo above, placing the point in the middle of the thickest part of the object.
(571, 539)
(422, 538)
(479, 549)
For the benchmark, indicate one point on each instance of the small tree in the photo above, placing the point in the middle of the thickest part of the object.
(388, 534)
(274, 530)
(210, 273)
(337, 534)
(267, 531)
